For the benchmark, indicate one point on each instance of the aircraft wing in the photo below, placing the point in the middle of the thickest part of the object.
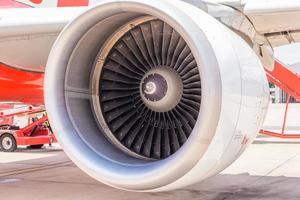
(276, 19)
(27, 35)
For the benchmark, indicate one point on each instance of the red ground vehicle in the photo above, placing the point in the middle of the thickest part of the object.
(35, 135)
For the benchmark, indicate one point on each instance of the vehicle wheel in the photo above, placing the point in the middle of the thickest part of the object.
(37, 146)
(8, 143)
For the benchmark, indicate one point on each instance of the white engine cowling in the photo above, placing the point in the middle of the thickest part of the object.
(151, 95)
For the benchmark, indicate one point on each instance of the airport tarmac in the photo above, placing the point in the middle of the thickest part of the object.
(269, 169)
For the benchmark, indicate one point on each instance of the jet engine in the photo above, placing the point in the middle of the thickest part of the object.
(152, 95)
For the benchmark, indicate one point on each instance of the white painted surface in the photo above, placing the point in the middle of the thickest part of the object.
(27, 35)
(270, 6)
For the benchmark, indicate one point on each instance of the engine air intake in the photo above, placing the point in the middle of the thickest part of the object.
(150, 90)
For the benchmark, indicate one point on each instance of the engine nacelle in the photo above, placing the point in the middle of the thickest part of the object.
(151, 95)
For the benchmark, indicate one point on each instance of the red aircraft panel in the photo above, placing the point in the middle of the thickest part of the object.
(21, 86)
